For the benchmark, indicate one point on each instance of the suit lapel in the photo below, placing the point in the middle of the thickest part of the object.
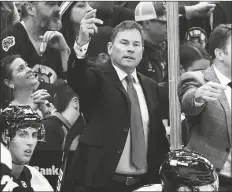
(210, 75)
(113, 78)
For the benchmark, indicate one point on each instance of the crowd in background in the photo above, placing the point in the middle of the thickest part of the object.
(42, 43)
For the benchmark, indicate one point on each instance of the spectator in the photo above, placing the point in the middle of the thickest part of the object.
(153, 17)
(72, 13)
(23, 86)
(193, 57)
(37, 40)
(20, 130)
(59, 123)
(9, 14)
(205, 98)
(197, 27)
(107, 145)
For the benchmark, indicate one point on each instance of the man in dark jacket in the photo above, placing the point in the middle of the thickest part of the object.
(124, 141)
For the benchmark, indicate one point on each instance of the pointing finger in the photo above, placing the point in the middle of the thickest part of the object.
(210, 5)
(94, 21)
(90, 14)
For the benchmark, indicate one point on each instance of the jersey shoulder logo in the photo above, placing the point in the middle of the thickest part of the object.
(8, 42)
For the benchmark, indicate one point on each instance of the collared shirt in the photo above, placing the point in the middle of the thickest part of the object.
(124, 165)
(224, 80)
(226, 170)
(80, 50)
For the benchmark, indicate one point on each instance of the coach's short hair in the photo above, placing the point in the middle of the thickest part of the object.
(127, 25)
(218, 38)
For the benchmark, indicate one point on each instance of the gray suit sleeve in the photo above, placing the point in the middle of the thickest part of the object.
(188, 84)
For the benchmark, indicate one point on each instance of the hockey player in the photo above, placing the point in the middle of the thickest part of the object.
(21, 128)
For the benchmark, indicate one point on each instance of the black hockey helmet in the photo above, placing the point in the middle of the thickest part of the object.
(188, 170)
(16, 117)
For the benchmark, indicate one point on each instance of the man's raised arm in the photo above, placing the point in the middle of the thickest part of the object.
(79, 78)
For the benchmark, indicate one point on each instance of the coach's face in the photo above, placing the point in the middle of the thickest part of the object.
(126, 50)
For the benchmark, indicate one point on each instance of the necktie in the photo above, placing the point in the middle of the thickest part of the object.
(138, 149)
(230, 84)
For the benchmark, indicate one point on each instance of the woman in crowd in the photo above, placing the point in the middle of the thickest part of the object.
(20, 130)
(20, 86)
(72, 14)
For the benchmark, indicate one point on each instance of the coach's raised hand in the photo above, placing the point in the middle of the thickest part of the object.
(88, 27)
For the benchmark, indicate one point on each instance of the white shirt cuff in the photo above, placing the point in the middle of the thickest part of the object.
(80, 50)
(198, 104)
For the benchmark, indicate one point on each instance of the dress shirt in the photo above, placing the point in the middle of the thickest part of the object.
(125, 166)
(224, 80)
(80, 50)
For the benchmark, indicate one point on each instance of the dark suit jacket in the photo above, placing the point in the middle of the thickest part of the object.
(106, 107)
(210, 133)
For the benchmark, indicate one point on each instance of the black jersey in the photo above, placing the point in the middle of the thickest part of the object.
(15, 40)
(31, 180)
